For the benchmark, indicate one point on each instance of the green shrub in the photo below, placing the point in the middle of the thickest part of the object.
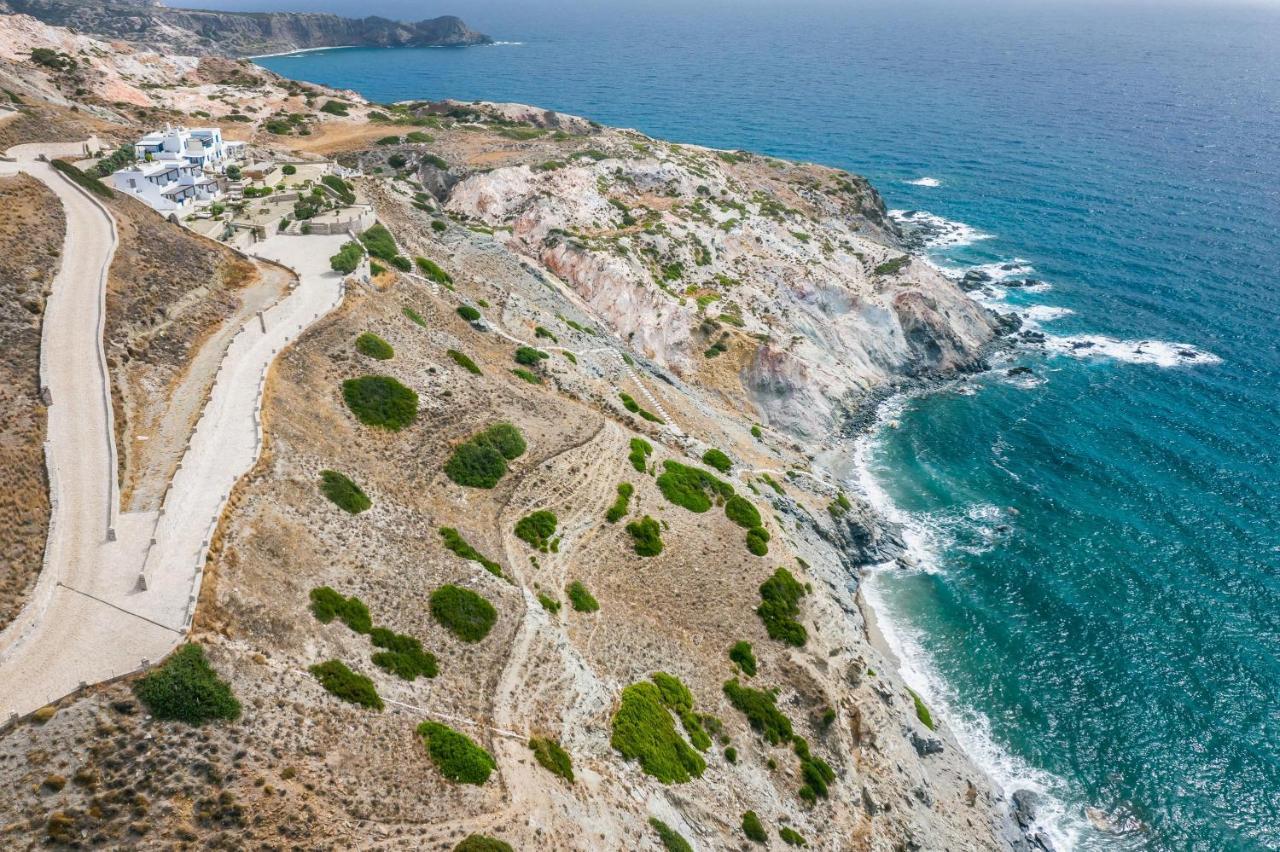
(780, 605)
(397, 161)
(743, 657)
(570, 357)
(552, 757)
(430, 268)
(677, 698)
(643, 730)
(455, 754)
(435, 160)
(346, 684)
(549, 603)
(582, 600)
(753, 828)
(757, 432)
(922, 712)
(340, 188)
(466, 614)
(185, 688)
(347, 259)
(791, 837)
(761, 709)
(87, 181)
(455, 542)
(403, 656)
(640, 451)
(718, 460)
(740, 510)
(335, 108)
(417, 136)
(381, 401)
(374, 346)
(482, 460)
(463, 361)
(438, 226)
(400, 262)
(415, 317)
(671, 839)
(468, 313)
(891, 266)
(389, 140)
(379, 243)
(647, 535)
(529, 357)
(289, 170)
(525, 375)
(540, 331)
(326, 605)
(690, 487)
(618, 510)
(758, 541)
(731, 754)
(772, 483)
(375, 268)
(479, 842)
(344, 493)
(536, 529)
(634, 407)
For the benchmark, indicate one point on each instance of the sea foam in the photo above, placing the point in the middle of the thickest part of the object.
(1155, 352)
(925, 181)
(932, 232)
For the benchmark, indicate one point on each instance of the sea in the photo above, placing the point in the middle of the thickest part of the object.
(1092, 601)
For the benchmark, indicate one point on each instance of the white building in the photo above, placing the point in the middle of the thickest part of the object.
(202, 146)
(167, 186)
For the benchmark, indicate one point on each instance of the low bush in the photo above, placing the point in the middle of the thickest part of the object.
(417, 136)
(618, 510)
(634, 407)
(381, 401)
(455, 754)
(326, 605)
(791, 837)
(340, 188)
(347, 260)
(541, 331)
(87, 181)
(731, 754)
(582, 600)
(185, 688)
(753, 828)
(430, 268)
(772, 483)
(549, 603)
(379, 242)
(761, 709)
(780, 605)
(758, 541)
(526, 376)
(464, 361)
(647, 536)
(389, 140)
(289, 170)
(335, 108)
(397, 161)
(374, 346)
(671, 839)
(740, 510)
(743, 657)
(415, 317)
(343, 492)
(922, 712)
(403, 656)
(463, 612)
(504, 438)
(552, 757)
(690, 487)
(529, 357)
(643, 730)
(677, 698)
(640, 451)
(456, 543)
(893, 265)
(536, 529)
(480, 842)
(401, 262)
(475, 465)
(346, 684)
(468, 313)
(715, 458)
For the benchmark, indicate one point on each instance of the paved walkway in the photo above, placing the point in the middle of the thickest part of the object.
(89, 618)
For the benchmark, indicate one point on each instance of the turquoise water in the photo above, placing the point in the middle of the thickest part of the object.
(1097, 602)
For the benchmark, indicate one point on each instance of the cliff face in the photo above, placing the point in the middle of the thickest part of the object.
(194, 31)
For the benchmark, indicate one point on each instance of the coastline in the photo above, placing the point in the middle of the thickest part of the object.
(300, 50)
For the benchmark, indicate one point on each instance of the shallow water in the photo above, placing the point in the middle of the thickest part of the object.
(1097, 608)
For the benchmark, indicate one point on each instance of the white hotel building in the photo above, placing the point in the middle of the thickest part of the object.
(177, 167)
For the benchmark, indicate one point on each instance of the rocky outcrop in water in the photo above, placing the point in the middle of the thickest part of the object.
(200, 32)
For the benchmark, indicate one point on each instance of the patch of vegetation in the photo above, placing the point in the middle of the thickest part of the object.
(753, 828)
(87, 181)
(54, 60)
(340, 188)
(891, 266)
(344, 492)
(455, 754)
(743, 657)
(570, 357)
(549, 603)
(430, 268)
(288, 170)
(618, 510)
(922, 712)
(757, 432)
(761, 709)
(839, 506)
(185, 688)
(779, 607)
(482, 843)
(634, 407)
(817, 774)
(741, 511)
(536, 529)
(643, 730)
(529, 357)
(539, 331)
(117, 160)
(326, 605)
(677, 698)
(468, 313)
(647, 536)
(466, 614)
(380, 244)
(690, 487)
(347, 260)
(758, 541)
(581, 599)
(640, 451)
(525, 375)
(403, 656)
(335, 108)
(389, 140)
(463, 361)
(482, 460)
(374, 346)
(552, 757)
(717, 459)
(456, 543)
(415, 317)
(731, 754)
(436, 161)
(772, 483)
(381, 401)
(791, 837)
(671, 839)
(417, 136)
(346, 684)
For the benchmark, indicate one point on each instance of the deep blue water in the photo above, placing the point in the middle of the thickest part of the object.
(1116, 640)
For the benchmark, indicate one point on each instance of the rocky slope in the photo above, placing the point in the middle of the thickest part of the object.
(748, 304)
(198, 32)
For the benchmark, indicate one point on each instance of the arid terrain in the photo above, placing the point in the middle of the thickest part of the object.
(744, 304)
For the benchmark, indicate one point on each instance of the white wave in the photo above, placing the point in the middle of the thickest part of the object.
(1043, 313)
(1155, 352)
(935, 232)
(925, 181)
(505, 43)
